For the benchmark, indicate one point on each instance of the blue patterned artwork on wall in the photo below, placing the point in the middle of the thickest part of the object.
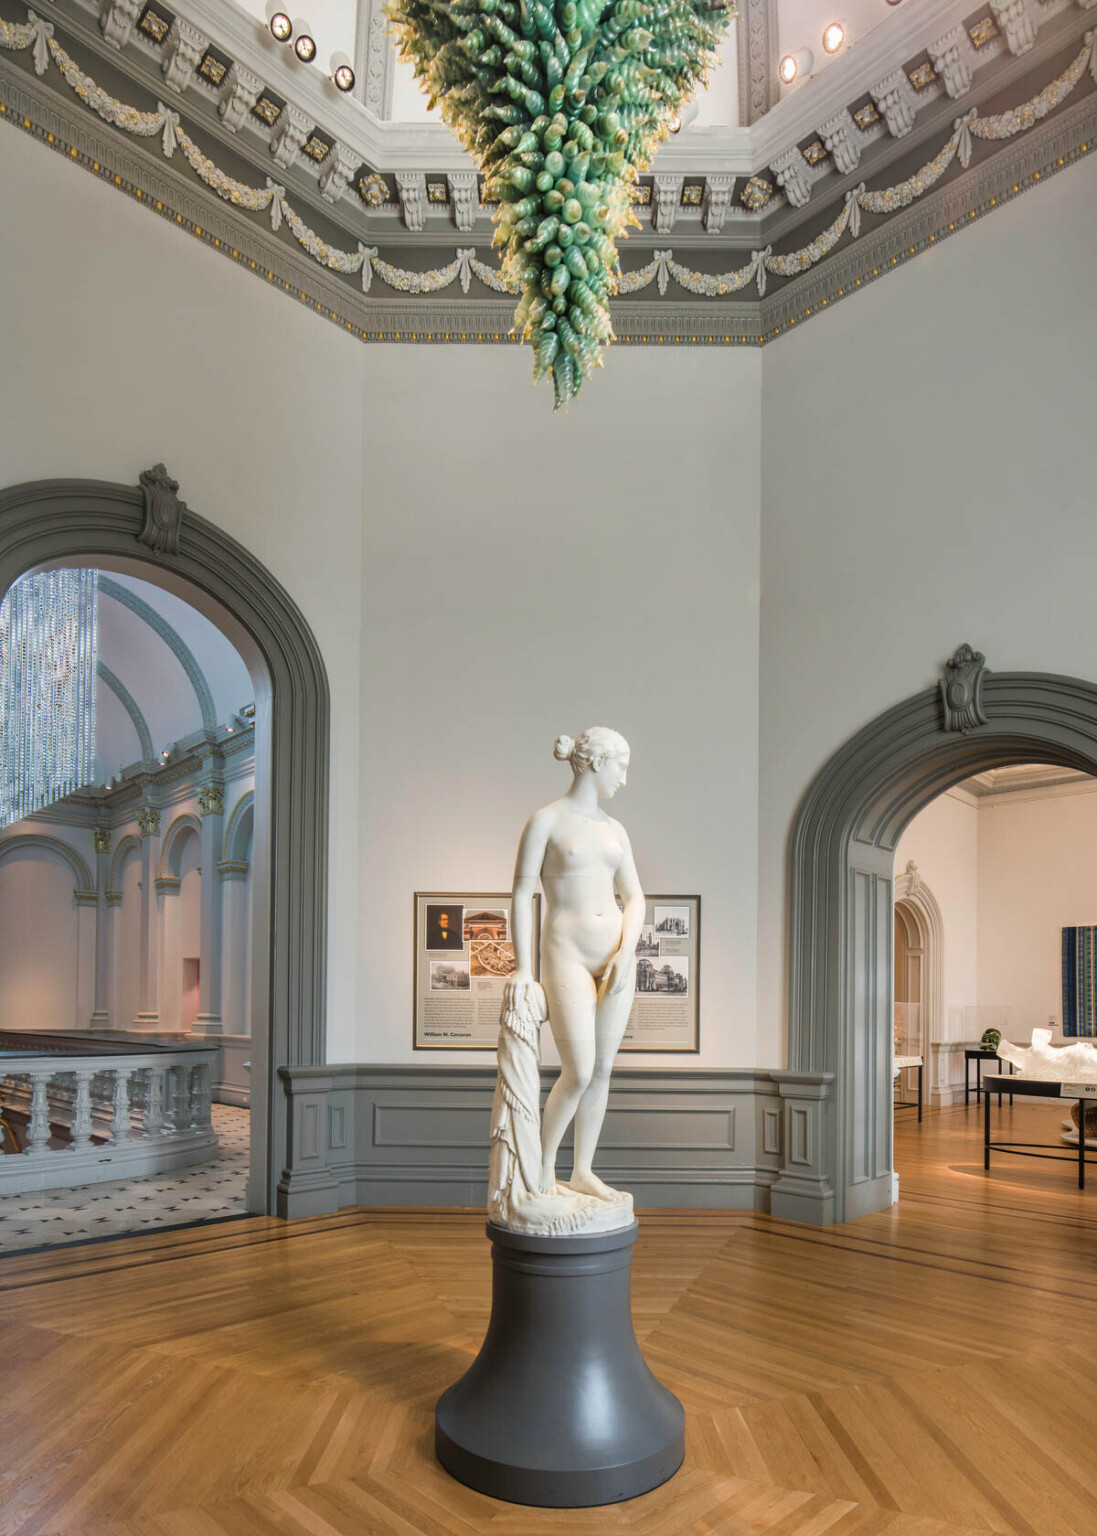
(1079, 992)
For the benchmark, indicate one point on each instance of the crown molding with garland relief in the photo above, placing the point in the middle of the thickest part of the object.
(47, 108)
(777, 119)
(711, 168)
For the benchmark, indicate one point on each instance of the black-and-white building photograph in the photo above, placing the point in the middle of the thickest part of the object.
(673, 922)
(664, 975)
(449, 976)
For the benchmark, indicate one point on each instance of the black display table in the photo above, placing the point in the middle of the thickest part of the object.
(978, 1056)
(900, 1064)
(1034, 1087)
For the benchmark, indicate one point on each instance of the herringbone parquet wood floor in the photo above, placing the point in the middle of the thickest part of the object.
(929, 1371)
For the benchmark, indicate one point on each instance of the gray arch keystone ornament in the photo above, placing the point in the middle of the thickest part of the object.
(842, 889)
(163, 510)
(141, 528)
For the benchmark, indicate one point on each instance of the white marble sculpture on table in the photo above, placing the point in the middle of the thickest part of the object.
(1075, 1063)
(588, 967)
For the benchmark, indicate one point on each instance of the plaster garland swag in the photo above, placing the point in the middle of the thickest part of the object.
(37, 34)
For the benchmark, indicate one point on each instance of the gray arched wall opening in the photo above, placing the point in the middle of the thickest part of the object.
(917, 902)
(171, 844)
(842, 888)
(87, 522)
(83, 882)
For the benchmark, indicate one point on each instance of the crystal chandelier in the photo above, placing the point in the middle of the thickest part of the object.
(47, 690)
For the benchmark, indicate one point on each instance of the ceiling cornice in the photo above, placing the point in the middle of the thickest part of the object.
(47, 108)
(1033, 781)
(769, 148)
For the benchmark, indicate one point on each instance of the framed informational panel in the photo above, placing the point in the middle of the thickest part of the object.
(666, 1011)
(464, 952)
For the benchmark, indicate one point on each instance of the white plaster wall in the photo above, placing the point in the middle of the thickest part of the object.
(943, 840)
(476, 588)
(1037, 876)
(927, 480)
(150, 346)
(117, 744)
(165, 695)
(527, 573)
(472, 593)
(39, 949)
(128, 952)
(180, 927)
(219, 663)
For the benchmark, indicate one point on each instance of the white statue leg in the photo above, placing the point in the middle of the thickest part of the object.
(610, 1022)
(572, 1000)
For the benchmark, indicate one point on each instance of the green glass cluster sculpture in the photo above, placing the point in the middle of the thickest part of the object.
(562, 104)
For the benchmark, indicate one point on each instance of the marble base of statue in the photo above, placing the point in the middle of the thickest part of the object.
(559, 1408)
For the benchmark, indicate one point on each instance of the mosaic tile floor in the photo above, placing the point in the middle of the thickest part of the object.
(203, 1193)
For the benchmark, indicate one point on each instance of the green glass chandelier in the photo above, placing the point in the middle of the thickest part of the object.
(562, 104)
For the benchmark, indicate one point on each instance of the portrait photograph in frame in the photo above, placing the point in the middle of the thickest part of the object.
(464, 953)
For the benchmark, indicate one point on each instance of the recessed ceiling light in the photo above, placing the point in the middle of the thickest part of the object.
(304, 44)
(342, 72)
(278, 20)
(834, 36)
(793, 65)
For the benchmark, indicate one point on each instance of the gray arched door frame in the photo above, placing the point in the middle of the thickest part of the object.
(841, 896)
(62, 522)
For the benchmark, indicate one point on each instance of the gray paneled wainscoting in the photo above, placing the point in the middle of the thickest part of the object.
(744, 1140)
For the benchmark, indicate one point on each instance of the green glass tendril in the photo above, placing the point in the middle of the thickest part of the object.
(561, 105)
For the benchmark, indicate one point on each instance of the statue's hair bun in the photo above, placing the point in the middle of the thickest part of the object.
(563, 748)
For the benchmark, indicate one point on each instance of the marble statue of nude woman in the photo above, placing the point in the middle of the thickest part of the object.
(584, 862)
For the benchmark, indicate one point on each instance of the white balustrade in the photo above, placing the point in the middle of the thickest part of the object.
(81, 1120)
(201, 1095)
(154, 1105)
(132, 1114)
(120, 1119)
(38, 1137)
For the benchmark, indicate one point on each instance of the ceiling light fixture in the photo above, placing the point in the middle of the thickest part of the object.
(304, 44)
(281, 27)
(793, 65)
(342, 72)
(833, 37)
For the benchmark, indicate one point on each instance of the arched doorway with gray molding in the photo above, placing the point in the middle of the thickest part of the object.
(919, 962)
(146, 531)
(842, 889)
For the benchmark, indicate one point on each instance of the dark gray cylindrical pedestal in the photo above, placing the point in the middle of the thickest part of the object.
(559, 1408)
